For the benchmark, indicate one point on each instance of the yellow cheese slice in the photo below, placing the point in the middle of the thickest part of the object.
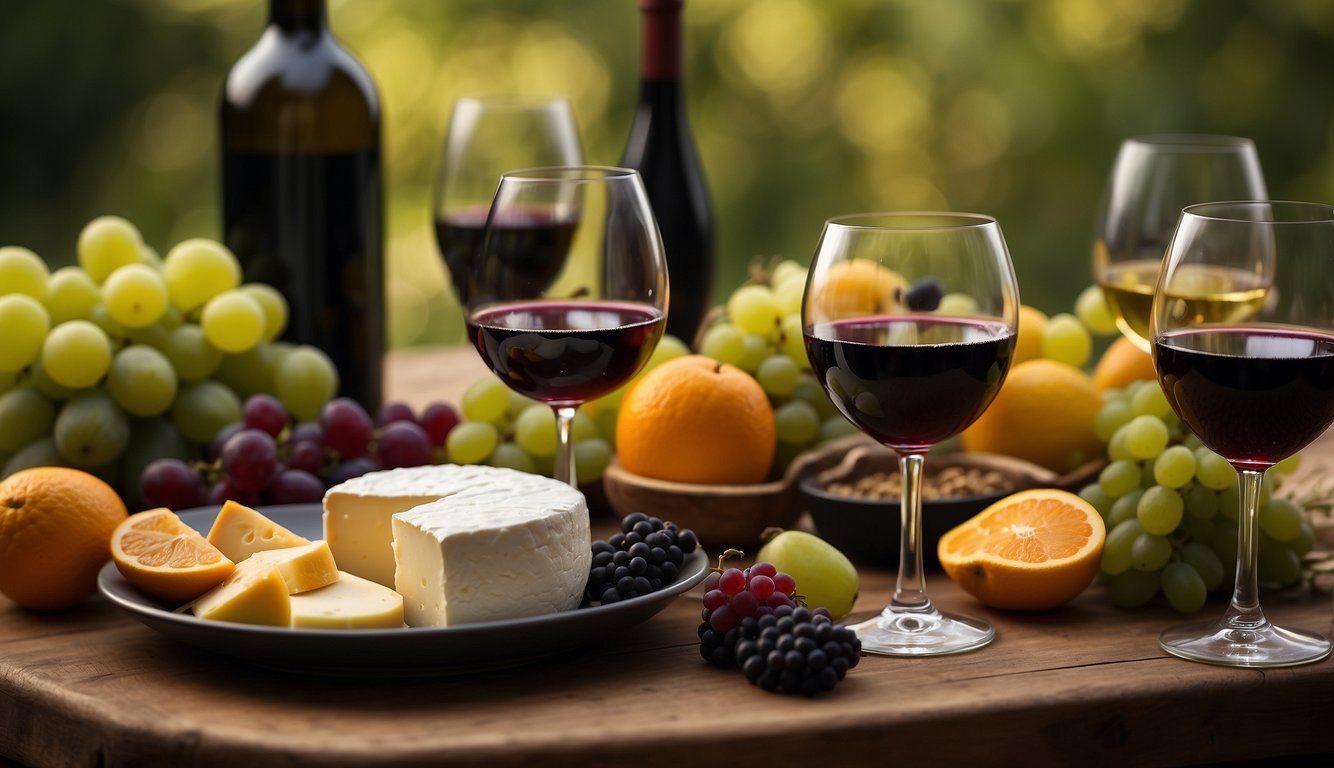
(240, 532)
(251, 595)
(303, 568)
(350, 603)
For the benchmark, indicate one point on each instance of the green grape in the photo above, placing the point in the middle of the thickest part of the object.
(957, 305)
(42, 382)
(518, 403)
(142, 381)
(583, 427)
(1305, 540)
(135, 296)
(485, 399)
(1229, 502)
(149, 257)
(1191, 441)
(304, 380)
(794, 342)
(1201, 502)
(150, 439)
(1133, 588)
(535, 431)
(1125, 508)
(472, 442)
(796, 423)
(22, 271)
(1266, 488)
(511, 456)
(41, 453)
(1150, 401)
(106, 244)
(1205, 562)
(787, 271)
(1281, 520)
(1150, 552)
(1160, 510)
(91, 431)
(197, 270)
(1146, 436)
(233, 322)
(754, 351)
(778, 376)
(1111, 417)
(71, 295)
(1116, 549)
(808, 388)
(591, 459)
(1146, 479)
(606, 421)
(1198, 529)
(25, 325)
(100, 317)
(1174, 467)
(724, 343)
(76, 354)
(190, 353)
(1278, 564)
(26, 415)
(1092, 310)
(204, 407)
(1213, 470)
(1116, 447)
(1066, 340)
(250, 372)
(171, 319)
(1098, 498)
(1289, 465)
(273, 304)
(154, 336)
(668, 348)
(788, 295)
(754, 309)
(1224, 544)
(1183, 587)
(835, 428)
(1119, 478)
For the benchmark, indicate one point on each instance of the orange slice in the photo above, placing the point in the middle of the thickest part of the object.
(165, 558)
(1031, 551)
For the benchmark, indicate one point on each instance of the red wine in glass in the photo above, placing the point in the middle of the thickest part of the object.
(1254, 395)
(911, 381)
(532, 244)
(566, 353)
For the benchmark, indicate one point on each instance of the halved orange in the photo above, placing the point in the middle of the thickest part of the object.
(165, 558)
(1031, 551)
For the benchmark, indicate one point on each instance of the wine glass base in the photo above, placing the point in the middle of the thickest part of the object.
(1214, 642)
(897, 632)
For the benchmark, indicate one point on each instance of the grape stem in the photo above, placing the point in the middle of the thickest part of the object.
(729, 554)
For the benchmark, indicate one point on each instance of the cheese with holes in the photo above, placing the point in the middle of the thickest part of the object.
(508, 546)
(349, 603)
(239, 532)
(357, 512)
(253, 595)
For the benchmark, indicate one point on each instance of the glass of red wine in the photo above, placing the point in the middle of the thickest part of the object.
(589, 328)
(910, 322)
(487, 137)
(1255, 390)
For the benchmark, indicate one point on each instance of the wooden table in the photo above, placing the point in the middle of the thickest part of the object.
(1086, 684)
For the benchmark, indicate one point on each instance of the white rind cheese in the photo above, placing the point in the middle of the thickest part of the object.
(509, 546)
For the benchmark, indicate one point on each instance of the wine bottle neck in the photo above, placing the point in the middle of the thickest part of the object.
(298, 15)
(662, 39)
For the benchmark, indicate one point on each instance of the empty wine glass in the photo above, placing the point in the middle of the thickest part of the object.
(486, 138)
(1255, 389)
(911, 368)
(566, 348)
(1153, 179)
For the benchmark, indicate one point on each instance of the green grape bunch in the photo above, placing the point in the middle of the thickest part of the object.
(1171, 508)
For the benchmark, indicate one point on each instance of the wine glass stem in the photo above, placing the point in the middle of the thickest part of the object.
(910, 591)
(565, 446)
(1244, 612)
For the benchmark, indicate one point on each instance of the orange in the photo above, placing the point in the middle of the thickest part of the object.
(1122, 363)
(695, 420)
(1028, 342)
(858, 287)
(55, 534)
(1031, 551)
(1043, 414)
(165, 558)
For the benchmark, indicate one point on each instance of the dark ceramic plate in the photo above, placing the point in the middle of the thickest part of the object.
(409, 651)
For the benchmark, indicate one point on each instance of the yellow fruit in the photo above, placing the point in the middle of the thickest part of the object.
(1032, 551)
(1122, 363)
(825, 577)
(55, 534)
(1032, 327)
(695, 420)
(165, 558)
(1043, 414)
(858, 287)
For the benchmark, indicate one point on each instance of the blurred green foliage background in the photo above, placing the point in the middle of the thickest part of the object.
(802, 109)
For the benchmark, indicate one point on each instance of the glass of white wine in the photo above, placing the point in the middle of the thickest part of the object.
(1153, 179)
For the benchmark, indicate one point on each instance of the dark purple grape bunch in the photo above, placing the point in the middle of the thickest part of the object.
(643, 558)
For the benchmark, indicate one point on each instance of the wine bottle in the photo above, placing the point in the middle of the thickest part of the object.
(663, 151)
(301, 188)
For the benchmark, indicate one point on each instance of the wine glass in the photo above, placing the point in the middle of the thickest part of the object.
(1254, 390)
(566, 348)
(910, 369)
(486, 138)
(1153, 179)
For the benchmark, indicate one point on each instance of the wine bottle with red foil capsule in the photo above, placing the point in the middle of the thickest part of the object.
(662, 149)
(301, 188)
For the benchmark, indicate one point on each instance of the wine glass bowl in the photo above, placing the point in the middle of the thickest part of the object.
(909, 322)
(1254, 390)
(1154, 177)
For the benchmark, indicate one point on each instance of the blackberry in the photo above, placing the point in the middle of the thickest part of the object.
(799, 652)
(643, 558)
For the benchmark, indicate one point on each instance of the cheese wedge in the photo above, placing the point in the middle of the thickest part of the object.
(349, 603)
(303, 568)
(254, 595)
(239, 532)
